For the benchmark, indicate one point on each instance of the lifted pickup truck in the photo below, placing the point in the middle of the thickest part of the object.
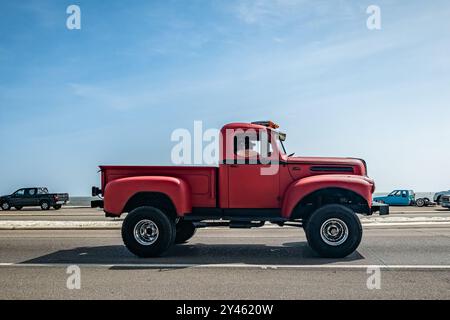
(30, 197)
(256, 182)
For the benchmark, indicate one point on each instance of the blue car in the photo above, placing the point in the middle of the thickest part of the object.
(398, 198)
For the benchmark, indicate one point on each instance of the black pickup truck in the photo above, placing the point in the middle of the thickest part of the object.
(31, 197)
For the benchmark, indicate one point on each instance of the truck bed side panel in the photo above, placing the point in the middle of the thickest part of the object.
(202, 180)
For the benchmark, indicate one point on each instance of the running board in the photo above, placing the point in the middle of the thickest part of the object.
(198, 218)
(231, 224)
(244, 224)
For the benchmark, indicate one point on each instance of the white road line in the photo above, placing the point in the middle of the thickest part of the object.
(227, 266)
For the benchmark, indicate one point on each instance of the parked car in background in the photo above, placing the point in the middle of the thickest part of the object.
(403, 198)
(398, 198)
(445, 200)
(437, 196)
(31, 197)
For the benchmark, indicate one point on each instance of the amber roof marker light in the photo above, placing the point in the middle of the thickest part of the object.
(269, 124)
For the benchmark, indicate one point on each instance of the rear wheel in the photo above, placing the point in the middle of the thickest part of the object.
(334, 231)
(185, 231)
(6, 206)
(148, 232)
(420, 202)
(45, 205)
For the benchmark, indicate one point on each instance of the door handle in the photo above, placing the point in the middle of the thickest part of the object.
(296, 168)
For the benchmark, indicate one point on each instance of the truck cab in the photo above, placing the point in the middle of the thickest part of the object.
(255, 183)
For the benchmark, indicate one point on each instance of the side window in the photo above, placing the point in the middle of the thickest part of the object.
(246, 146)
(20, 192)
(42, 191)
(250, 147)
(31, 192)
(404, 194)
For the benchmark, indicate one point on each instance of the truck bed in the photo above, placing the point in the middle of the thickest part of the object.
(60, 197)
(202, 180)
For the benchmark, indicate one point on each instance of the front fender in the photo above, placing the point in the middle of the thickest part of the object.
(118, 192)
(301, 188)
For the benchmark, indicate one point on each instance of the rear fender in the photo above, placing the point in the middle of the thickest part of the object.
(118, 192)
(299, 189)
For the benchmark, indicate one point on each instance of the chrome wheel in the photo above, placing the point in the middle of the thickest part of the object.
(44, 205)
(146, 232)
(334, 232)
(5, 206)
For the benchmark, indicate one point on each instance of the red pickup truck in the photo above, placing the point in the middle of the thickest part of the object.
(256, 182)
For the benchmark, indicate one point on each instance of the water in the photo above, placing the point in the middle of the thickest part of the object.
(81, 201)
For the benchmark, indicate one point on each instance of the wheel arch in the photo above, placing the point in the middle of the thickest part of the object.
(169, 193)
(157, 200)
(305, 196)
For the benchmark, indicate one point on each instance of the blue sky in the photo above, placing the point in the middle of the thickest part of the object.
(112, 92)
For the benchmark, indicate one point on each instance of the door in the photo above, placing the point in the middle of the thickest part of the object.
(31, 197)
(398, 198)
(248, 188)
(17, 198)
(405, 198)
(252, 181)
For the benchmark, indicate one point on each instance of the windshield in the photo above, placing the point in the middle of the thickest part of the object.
(282, 149)
(280, 145)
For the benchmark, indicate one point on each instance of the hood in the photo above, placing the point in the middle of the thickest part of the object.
(327, 161)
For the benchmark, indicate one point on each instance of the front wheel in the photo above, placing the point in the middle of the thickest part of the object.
(148, 232)
(6, 206)
(185, 231)
(334, 231)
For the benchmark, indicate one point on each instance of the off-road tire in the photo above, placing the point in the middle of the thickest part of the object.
(185, 230)
(139, 219)
(329, 218)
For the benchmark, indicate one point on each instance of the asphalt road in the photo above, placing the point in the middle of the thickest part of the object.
(88, 214)
(272, 263)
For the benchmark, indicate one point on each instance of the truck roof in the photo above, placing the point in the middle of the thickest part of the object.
(243, 125)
